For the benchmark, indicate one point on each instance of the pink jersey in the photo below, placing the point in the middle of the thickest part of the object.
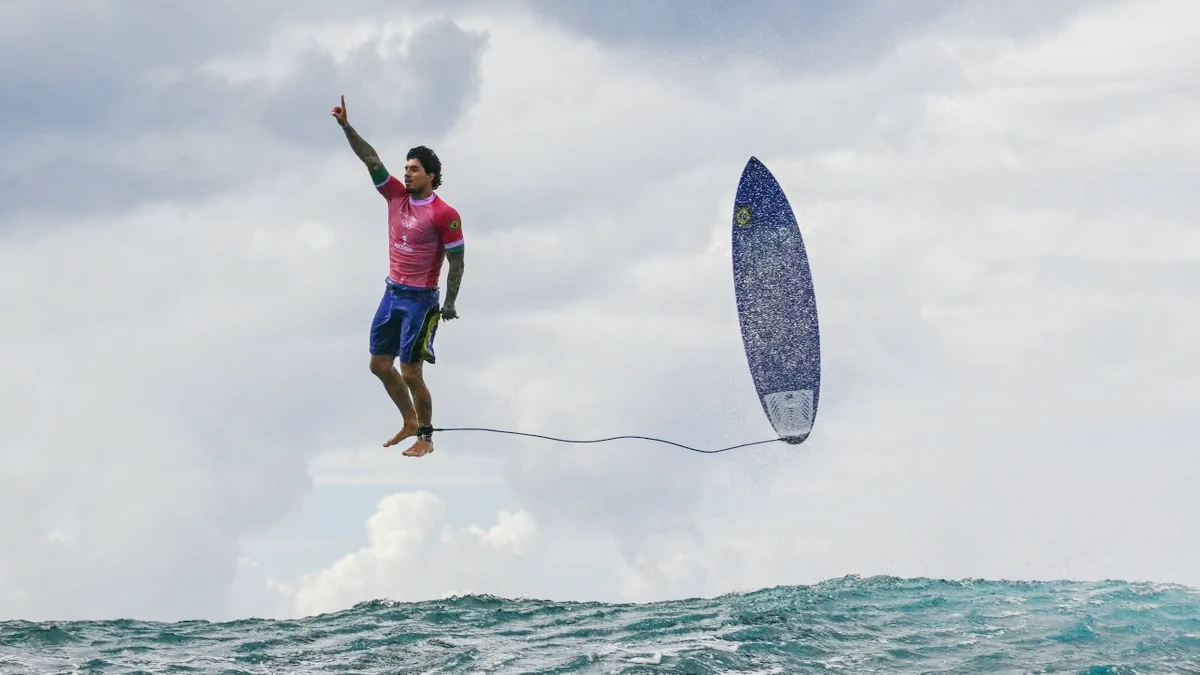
(420, 231)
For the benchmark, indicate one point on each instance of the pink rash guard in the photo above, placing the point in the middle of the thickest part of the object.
(420, 231)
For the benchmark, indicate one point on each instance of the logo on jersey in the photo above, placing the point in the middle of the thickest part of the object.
(454, 224)
(742, 216)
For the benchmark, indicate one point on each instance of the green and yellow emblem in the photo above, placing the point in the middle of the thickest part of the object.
(742, 216)
(454, 224)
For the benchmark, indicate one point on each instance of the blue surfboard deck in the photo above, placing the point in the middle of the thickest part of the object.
(776, 305)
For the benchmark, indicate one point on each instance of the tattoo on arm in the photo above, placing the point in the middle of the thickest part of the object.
(454, 276)
(363, 149)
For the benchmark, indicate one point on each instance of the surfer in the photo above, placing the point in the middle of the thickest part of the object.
(422, 229)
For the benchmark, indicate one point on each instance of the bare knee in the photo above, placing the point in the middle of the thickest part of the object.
(411, 372)
(381, 365)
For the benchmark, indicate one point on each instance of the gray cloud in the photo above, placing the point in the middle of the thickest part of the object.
(793, 35)
(74, 64)
(125, 114)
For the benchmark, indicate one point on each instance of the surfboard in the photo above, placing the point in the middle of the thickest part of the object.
(776, 304)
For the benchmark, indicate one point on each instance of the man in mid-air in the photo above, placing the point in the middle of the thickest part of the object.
(421, 230)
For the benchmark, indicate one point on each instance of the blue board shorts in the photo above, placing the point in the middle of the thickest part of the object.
(405, 323)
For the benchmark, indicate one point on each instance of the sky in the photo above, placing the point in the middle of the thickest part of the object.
(997, 202)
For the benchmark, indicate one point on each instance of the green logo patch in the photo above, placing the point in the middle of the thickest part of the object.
(742, 216)
(454, 224)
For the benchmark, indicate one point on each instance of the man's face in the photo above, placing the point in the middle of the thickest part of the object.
(415, 178)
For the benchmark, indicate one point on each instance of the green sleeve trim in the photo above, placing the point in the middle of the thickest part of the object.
(379, 175)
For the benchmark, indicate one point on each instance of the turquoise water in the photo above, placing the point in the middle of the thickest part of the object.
(849, 625)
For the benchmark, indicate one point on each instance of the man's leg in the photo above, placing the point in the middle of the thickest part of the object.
(415, 352)
(414, 379)
(393, 382)
(385, 346)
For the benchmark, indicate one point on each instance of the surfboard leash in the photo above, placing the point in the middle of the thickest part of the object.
(605, 440)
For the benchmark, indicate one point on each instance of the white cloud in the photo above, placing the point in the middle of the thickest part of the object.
(408, 556)
(378, 466)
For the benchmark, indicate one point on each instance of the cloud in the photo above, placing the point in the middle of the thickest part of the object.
(805, 36)
(218, 111)
(409, 557)
(378, 467)
(1004, 269)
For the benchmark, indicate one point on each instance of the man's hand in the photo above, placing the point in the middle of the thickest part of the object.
(361, 148)
(448, 312)
(339, 112)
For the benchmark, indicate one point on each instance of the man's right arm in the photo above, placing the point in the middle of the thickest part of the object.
(366, 153)
(388, 186)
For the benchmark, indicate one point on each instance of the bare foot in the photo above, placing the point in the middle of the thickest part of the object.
(405, 432)
(419, 449)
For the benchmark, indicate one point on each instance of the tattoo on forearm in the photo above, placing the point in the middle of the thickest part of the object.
(361, 148)
(454, 280)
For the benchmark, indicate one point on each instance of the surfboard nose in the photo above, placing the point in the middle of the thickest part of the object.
(757, 183)
(753, 168)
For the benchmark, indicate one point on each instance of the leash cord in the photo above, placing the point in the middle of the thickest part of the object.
(605, 440)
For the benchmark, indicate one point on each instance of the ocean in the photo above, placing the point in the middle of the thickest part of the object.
(847, 625)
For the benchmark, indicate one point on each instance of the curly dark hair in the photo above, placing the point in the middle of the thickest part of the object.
(429, 161)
